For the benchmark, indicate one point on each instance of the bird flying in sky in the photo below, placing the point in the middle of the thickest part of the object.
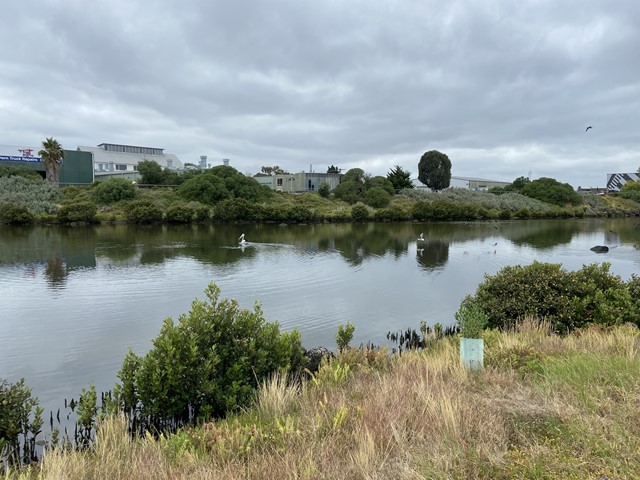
(588, 128)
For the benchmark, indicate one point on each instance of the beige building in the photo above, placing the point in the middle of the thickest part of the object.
(299, 182)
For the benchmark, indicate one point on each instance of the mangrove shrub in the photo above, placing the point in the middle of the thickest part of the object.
(568, 300)
(209, 363)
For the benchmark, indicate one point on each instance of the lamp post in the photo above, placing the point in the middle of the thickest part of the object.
(290, 184)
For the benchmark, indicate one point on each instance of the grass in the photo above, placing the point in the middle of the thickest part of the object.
(545, 407)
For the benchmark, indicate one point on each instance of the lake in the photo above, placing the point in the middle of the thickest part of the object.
(74, 300)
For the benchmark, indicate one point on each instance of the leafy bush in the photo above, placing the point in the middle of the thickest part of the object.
(78, 212)
(551, 191)
(143, 211)
(568, 300)
(114, 190)
(471, 320)
(324, 190)
(11, 171)
(359, 212)
(377, 197)
(207, 188)
(202, 214)
(393, 213)
(233, 209)
(208, 364)
(20, 423)
(344, 335)
(180, 214)
(12, 214)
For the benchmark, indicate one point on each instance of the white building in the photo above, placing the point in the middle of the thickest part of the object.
(615, 181)
(299, 182)
(113, 160)
(477, 184)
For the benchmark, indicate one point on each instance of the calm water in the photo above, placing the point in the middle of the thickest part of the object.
(74, 300)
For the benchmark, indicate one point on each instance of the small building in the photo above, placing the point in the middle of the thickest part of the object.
(298, 182)
(615, 181)
(76, 167)
(114, 160)
(476, 184)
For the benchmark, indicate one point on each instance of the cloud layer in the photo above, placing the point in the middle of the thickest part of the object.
(503, 88)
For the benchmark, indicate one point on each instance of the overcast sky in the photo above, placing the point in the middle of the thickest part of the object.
(505, 88)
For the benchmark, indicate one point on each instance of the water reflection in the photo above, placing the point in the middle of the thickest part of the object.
(61, 250)
(432, 254)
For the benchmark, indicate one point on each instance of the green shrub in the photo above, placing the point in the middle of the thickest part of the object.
(236, 209)
(392, 213)
(114, 190)
(20, 423)
(471, 320)
(300, 214)
(568, 300)
(11, 171)
(143, 211)
(179, 214)
(344, 335)
(38, 196)
(12, 214)
(422, 211)
(359, 212)
(208, 364)
(202, 214)
(324, 190)
(78, 212)
(377, 197)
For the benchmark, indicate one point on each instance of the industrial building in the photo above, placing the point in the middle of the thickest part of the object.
(476, 184)
(76, 168)
(113, 160)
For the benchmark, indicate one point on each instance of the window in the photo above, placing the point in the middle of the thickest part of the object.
(278, 182)
(121, 167)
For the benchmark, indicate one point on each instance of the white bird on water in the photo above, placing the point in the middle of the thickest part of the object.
(241, 240)
(421, 237)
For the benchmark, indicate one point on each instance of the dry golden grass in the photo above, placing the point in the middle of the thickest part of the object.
(568, 410)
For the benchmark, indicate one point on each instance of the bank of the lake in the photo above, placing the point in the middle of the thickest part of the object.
(544, 407)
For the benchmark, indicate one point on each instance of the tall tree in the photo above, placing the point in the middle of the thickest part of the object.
(52, 155)
(434, 170)
(400, 178)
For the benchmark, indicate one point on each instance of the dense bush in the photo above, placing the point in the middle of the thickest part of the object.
(631, 191)
(13, 214)
(359, 212)
(377, 197)
(208, 364)
(11, 171)
(324, 190)
(78, 212)
(568, 300)
(38, 196)
(236, 209)
(114, 190)
(220, 183)
(143, 211)
(551, 191)
(202, 214)
(393, 213)
(20, 423)
(179, 214)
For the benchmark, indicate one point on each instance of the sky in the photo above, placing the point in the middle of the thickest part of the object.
(504, 88)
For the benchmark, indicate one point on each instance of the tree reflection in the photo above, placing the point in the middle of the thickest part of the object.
(433, 254)
(55, 271)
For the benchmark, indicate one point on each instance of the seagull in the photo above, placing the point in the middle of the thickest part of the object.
(421, 237)
(588, 128)
(241, 240)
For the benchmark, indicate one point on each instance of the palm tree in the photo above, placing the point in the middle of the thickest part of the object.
(52, 155)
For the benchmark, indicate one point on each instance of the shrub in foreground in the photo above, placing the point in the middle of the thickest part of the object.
(208, 364)
(359, 212)
(179, 214)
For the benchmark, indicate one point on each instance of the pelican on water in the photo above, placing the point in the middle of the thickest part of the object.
(421, 237)
(241, 240)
